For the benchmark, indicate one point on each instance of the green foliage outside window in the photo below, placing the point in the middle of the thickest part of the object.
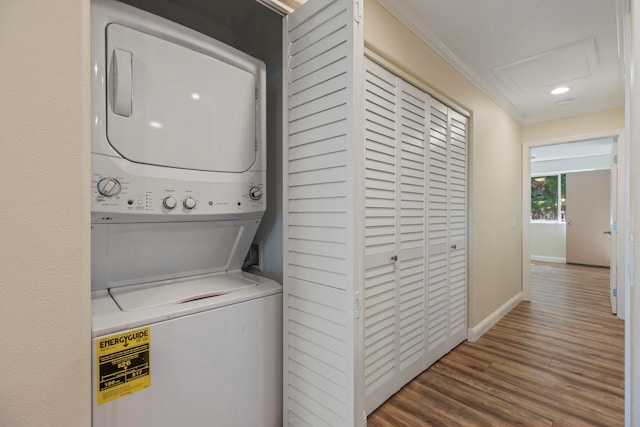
(545, 200)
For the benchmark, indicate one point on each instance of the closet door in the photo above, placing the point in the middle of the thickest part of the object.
(380, 323)
(457, 298)
(437, 233)
(323, 207)
(395, 116)
(446, 232)
(410, 280)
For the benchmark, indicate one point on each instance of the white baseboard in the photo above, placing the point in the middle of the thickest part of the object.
(477, 331)
(548, 259)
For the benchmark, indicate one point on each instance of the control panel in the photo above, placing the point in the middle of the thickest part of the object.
(196, 193)
(255, 192)
(109, 187)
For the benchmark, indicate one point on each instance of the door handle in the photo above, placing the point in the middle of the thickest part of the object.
(607, 232)
(394, 258)
(454, 247)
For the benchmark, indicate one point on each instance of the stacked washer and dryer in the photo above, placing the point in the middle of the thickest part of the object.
(181, 335)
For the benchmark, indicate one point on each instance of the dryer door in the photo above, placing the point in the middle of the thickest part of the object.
(169, 105)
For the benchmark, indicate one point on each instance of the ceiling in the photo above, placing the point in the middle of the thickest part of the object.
(517, 51)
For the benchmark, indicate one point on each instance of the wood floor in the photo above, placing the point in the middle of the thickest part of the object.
(555, 361)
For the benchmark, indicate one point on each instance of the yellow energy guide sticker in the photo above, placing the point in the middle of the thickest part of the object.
(123, 364)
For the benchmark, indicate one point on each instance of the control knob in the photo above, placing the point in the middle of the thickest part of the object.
(109, 187)
(169, 202)
(255, 193)
(189, 203)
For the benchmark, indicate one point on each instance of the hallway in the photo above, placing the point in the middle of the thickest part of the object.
(557, 360)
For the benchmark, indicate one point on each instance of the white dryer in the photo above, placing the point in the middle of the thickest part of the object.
(181, 336)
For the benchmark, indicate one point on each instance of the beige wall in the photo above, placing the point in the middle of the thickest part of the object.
(44, 221)
(547, 241)
(495, 163)
(572, 127)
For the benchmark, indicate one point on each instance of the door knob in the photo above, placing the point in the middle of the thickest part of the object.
(454, 246)
(607, 232)
(394, 258)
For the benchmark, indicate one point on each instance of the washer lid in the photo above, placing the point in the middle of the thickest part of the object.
(131, 298)
(169, 105)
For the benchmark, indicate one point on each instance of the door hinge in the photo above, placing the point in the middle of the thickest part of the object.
(256, 92)
(357, 305)
(615, 292)
(615, 159)
(357, 10)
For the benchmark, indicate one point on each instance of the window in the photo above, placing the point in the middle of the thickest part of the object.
(548, 198)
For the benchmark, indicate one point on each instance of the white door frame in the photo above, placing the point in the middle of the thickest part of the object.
(614, 214)
(526, 205)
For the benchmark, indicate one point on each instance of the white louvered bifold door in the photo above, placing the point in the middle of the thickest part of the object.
(413, 113)
(395, 128)
(446, 299)
(380, 223)
(437, 233)
(323, 152)
(457, 299)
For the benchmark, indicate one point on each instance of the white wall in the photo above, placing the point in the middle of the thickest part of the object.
(44, 221)
(547, 241)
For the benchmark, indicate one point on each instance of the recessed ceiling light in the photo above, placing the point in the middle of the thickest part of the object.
(560, 90)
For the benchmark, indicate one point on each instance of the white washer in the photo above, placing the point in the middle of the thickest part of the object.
(181, 336)
(212, 361)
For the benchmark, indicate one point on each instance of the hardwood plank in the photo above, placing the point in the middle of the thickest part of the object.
(557, 360)
(447, 406)
(502, 412)
(511, 392)
(416, 414)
